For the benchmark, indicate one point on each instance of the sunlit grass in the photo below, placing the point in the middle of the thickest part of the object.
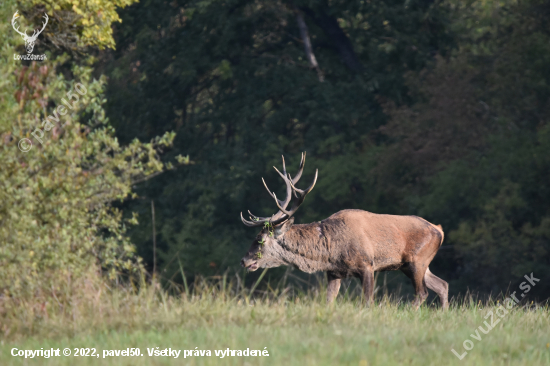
(297, 327)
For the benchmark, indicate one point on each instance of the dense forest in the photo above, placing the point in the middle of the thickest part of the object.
(439, 109)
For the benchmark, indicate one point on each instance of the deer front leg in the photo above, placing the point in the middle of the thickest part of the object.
(367, 280)
(333, 287)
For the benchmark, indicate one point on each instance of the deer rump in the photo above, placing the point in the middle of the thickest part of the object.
(350, 243)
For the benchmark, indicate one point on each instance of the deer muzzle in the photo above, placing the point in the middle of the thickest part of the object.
(250, 264)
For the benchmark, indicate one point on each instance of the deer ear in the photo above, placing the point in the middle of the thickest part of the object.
(283, 228)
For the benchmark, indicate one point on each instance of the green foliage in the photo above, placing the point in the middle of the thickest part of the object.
(473, 155)
(232, 79)
(89, 21)
(269, 227)
(438, 109)
(56, 217)
(458, 137)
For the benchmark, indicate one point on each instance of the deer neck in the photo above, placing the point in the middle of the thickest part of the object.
(304, 247)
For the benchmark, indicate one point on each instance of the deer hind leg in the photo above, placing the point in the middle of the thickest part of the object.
(440, 287)
(416, 273)
(333, 287)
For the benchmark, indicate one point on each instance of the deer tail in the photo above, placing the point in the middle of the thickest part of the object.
(440, 229)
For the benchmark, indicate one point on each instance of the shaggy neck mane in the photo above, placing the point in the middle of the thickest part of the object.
(307, 247)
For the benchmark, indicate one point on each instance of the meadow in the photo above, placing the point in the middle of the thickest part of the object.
(296, 327)
(153, 122)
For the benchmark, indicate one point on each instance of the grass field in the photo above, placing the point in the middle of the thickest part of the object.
(297, 329)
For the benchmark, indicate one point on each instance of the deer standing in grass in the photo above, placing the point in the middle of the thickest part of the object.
(350, 243)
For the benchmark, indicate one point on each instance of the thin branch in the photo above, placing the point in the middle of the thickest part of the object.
(307, 46)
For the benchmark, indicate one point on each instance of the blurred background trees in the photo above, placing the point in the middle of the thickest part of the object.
(232, 79)
(431, 108)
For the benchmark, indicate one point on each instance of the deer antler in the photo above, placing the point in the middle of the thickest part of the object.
(15, 16)
(283, 215)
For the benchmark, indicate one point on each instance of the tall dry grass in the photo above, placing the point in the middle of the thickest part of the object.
(91, 304)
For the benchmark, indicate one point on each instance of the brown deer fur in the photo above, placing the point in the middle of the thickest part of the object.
(354, 243)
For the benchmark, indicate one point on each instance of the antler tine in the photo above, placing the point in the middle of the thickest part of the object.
(272, 194)
(251, 223)
(303, 194)
(308, 189)
(293, 190)
(283, 214)
(300, 194)
(281, 174)
(300, 169)
(288, 188)
(283, 209)
(266, 187)
(299, 174)
(252, 216)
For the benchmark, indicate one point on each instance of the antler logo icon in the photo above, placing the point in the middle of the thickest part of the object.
(29, 40)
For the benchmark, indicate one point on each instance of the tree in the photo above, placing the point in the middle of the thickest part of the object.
(475, 151)
(233, 79)
(56, 217)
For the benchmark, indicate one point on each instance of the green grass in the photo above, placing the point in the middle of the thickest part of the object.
(297, 329)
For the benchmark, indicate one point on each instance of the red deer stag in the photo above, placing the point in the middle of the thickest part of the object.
(350, 243)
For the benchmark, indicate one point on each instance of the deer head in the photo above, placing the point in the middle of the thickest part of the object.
(265, 249)
(29, 40)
